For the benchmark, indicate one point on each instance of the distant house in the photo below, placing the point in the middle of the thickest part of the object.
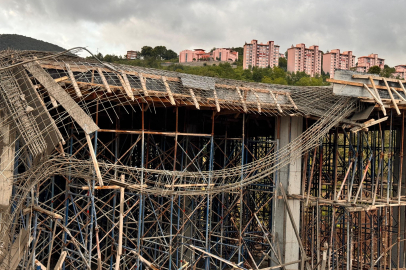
(365, 62)
(131, 55)
(222, 54)
(400, 70)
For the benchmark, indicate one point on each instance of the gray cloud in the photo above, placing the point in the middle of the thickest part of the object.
(118, 25)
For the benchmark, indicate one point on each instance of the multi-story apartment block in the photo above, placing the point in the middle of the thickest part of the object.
(335, 60)
(305, 59)
(221, 54)
(260, 55)
(365, 62)
(400, 70)
(131, 55)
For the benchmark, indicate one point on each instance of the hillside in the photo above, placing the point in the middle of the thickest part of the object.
(18, 42)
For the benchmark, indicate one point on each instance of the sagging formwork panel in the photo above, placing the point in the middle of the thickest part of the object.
(59, 94)
(21, 113)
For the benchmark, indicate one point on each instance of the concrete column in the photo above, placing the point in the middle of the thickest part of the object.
(290, 177)
(7, 151)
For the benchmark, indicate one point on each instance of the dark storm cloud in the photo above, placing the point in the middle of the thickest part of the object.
(114, 26)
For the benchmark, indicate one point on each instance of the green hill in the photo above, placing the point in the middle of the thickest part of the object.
(19, 42)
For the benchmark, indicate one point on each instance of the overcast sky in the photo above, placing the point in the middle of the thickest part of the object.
(364, 26)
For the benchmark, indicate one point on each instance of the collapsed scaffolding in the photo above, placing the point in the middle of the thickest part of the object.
(121, 167)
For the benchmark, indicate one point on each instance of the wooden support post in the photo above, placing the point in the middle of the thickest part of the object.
(194, 99)
(95, 163)
(126, 85)
(396, 92)
(59, 264)
(377, 95)
(291, 101)
(276, 101)
(258, 101)
(143, 84)
(168, 90)
(106, 85)
(73, 80)
(391, 96)
(244, 105)
(216, 100)
(120, 226)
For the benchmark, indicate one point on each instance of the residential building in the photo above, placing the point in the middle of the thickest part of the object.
(224, 54)
(305, 59)
(365, 62)
(260, 55)
(195, 55)
(220, 54)
(282, 55)
(131, 55)
(336, 60)
(400, 70)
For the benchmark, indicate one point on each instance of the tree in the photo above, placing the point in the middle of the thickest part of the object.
(374, 70)
(159, 52)
(169, 55)
(147, 51)
(283, 63)
(387, 71)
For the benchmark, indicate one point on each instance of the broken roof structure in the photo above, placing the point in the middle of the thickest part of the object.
(106, 166)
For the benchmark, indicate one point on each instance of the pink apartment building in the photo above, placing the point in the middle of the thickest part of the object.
(400, 70)
(335, 60)
(195, 55)
(260, 55)
(222, 54)
(304, 59)
(365, 62)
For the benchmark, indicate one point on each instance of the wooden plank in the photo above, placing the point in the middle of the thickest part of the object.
(61, 260)
(126, 85)
(391, 96)
(369, 123)
(94, 160)
(40, 265)
(106, 85)
(192, 94)
(168, 90)
(143, 84)
(359, 76)
(73, 80)
(57, 92)
(41, 210)
(357, 84)
(244, 106)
